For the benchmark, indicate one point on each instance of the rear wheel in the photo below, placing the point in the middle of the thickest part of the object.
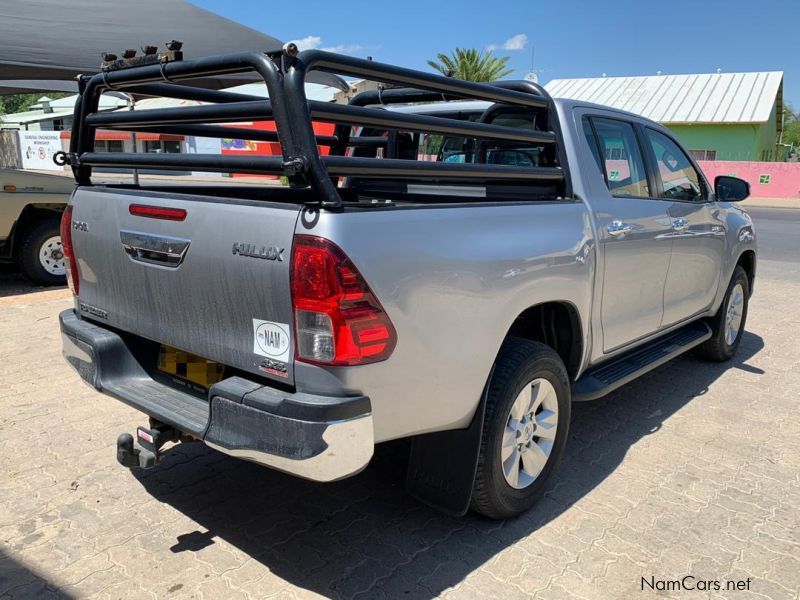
(525, 429)
(41, 255)
(727, 325)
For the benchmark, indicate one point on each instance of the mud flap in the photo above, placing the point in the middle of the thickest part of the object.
(442, 466)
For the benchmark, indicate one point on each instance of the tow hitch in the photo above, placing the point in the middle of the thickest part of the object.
(147, 451)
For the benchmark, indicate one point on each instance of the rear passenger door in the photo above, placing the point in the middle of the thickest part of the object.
(698, 230)
(633, 230)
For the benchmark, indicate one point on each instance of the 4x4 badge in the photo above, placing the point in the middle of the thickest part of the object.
(253, 251)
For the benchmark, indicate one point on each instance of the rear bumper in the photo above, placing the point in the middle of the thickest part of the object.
(322, 438)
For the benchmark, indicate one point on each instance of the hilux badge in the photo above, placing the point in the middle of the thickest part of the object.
(253, 251)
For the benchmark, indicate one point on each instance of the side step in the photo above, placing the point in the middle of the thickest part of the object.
(608, 376)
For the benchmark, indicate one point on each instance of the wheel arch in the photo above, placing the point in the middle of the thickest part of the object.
(29, 217)
(747, 260)
(556, 324)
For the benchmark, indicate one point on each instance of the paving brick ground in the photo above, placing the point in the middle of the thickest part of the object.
(692, 470)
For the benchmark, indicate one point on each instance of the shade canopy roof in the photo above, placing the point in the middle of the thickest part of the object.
(27, 86)
(56, 40)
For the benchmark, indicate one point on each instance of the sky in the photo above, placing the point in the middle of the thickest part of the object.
(565, 38)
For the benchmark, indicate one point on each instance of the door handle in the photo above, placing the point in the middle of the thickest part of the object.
(618, 228)
(679, 224)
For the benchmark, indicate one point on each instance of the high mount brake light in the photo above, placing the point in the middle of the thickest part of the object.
(338, 320)
(70, 262)
(157, 212)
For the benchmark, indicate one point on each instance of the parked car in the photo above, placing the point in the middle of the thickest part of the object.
(30, 212)
(555, 251)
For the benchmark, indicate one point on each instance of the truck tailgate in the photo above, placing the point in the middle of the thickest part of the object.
(215, 284)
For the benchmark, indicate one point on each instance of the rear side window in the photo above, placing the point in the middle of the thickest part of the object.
(680, 180)
(452, 149)
(590, 139)
(623, 165)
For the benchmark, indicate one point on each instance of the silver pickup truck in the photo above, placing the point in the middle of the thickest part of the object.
(451, 262)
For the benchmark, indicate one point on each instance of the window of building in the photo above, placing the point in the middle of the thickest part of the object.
(58, 124)
(679, 178)
(703, 154)
(163, 147)
(622, 161)
(108, 146)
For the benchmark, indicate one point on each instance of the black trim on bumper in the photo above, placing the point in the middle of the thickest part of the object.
(314, 436)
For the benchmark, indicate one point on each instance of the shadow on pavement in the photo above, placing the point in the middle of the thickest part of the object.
(12, 283)
(20, 581)
(365, 535)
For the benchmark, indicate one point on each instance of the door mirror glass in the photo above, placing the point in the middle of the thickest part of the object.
(730, 189)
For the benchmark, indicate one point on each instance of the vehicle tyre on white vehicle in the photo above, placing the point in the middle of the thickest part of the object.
(40, 254)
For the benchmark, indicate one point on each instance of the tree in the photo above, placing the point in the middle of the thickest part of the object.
(471, 64)
(791, 127)
(21, 102)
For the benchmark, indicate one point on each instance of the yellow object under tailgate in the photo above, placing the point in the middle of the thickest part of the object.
(190, 367)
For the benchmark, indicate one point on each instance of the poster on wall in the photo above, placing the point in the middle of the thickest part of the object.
(37, 149)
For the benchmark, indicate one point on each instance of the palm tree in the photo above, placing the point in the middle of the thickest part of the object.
(471, 64)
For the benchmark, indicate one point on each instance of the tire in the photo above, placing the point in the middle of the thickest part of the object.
(38, 254)
(722, 345)
(520, 364)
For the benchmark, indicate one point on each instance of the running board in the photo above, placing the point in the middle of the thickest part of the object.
(608, 376)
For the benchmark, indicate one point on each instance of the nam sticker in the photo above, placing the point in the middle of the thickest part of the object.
(271, 340)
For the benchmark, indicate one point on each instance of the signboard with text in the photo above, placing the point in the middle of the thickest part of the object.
(37, 149)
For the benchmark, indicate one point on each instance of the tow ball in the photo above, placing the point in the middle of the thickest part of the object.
(146, 452)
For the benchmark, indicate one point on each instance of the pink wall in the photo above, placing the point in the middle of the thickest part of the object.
(784, 178)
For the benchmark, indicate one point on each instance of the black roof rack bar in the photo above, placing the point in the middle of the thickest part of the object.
(258, 164)
(336, 165)
(345, 114)
(301, 160)
(300, 113)
(92, 87)
(386, 73)
(398, 169)
(399, 96)
(321, 111)
(553, 121)
(192, 68)
(187, 92)
(408, 95)
(240, 133)
(219, 131)
(202, 113)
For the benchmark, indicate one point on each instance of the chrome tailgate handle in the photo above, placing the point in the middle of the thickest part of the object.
(154, 249)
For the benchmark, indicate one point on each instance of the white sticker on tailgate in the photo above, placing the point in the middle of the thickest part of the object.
(271, 340)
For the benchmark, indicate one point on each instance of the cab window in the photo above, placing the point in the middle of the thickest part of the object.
(680, 180)
(470, 150)
(622, 162)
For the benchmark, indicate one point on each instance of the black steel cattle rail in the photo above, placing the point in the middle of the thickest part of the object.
(284, 73)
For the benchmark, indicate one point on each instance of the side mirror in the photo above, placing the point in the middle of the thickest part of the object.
(730, 189)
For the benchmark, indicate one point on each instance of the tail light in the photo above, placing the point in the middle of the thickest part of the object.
(338, 320)
(70, 262)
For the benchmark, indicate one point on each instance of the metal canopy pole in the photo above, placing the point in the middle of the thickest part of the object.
(132, 106)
